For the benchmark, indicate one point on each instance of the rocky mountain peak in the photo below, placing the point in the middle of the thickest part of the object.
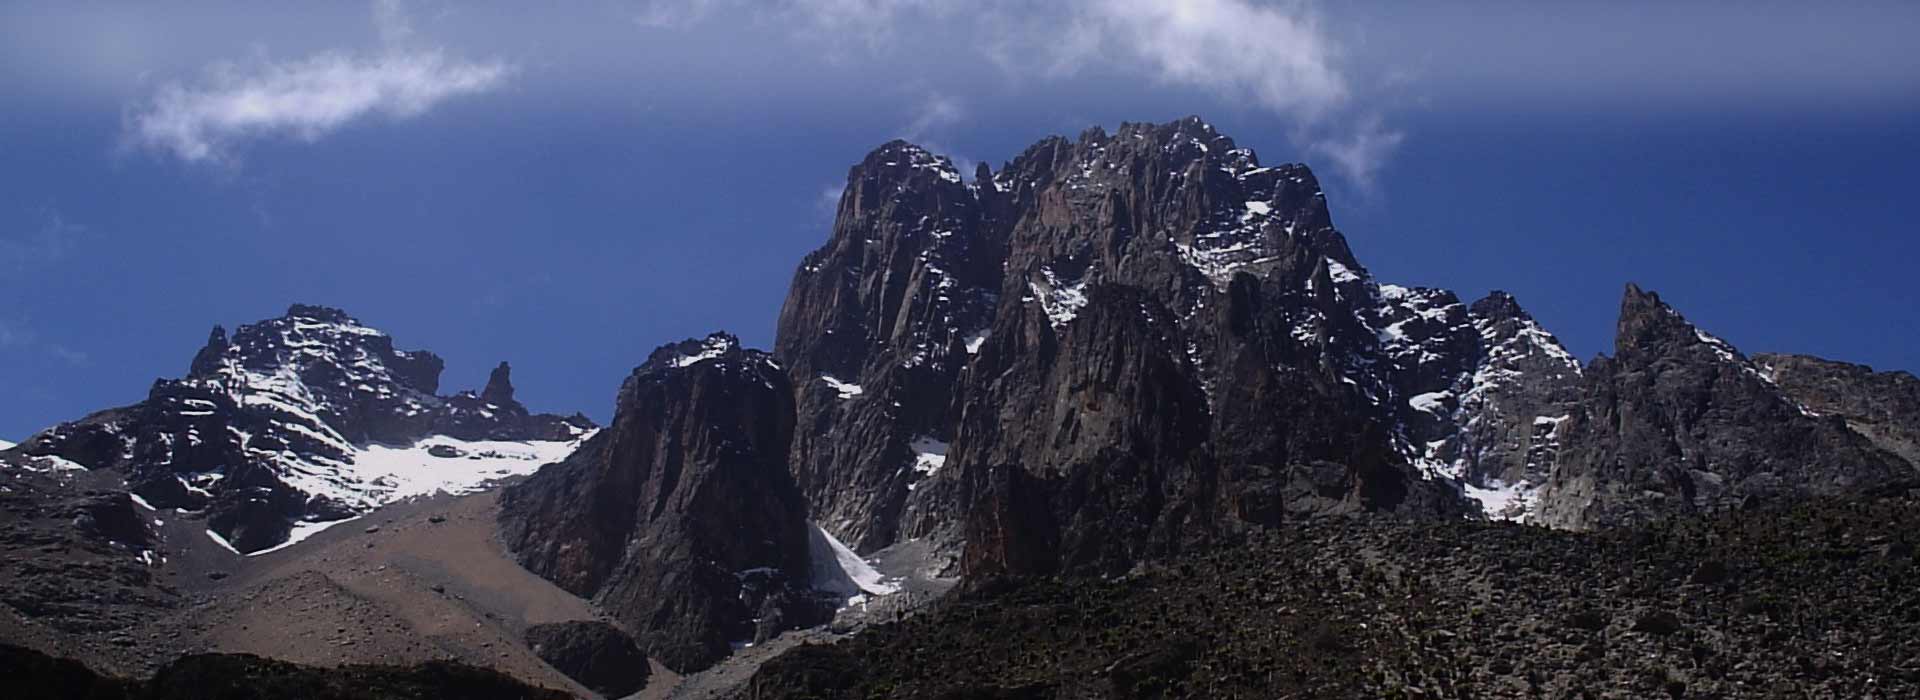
(207, 361)
(322, 314)
(722, 347)
(1648, 326)
(303, 419)
(1498, 306)
(499, 389)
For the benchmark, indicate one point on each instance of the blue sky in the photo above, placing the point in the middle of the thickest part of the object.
(566, 190)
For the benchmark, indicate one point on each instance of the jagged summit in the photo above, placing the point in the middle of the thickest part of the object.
(942, 324)
(720, 347)
(499, 389)
(293, 422)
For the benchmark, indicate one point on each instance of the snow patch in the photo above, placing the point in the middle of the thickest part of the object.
(929, 455)
(137, 500)
(1512, 502)
(5, 445)
(391, 473)
(41, 464)
(1341, 274)
(301, 531)
(1061, 302)
(976, 340)
(1431, 402)
(222, 541)
(846, 391)
(839, 571)
(714, 347)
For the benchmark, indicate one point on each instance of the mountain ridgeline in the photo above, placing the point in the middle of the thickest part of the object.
(1127, 346)
(1121, 346)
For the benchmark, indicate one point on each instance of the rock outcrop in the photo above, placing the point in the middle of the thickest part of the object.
(1679, 421)
(597, 654)
(680, 519)
(1882, 406)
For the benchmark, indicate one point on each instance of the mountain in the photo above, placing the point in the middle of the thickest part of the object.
(1126, 344)
(304, 420)
(1679, 421)
(680, 519)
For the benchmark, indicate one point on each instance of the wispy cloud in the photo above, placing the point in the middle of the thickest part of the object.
(827, 202)
(672, 14)
(306, 98)
(1358, 149)
(934, 112)
(17, 336)
(42, 244)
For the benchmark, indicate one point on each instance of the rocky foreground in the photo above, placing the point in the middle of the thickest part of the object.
(1813, 600)
(31, 675)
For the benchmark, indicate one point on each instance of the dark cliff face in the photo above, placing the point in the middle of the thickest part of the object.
(680, 519)
(1083, 446)
(262, 412)
(1679, 421)
(877, 325)
(1884, 407)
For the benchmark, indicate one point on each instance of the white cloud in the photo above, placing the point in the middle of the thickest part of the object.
(1274, 54)
(306, 98)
